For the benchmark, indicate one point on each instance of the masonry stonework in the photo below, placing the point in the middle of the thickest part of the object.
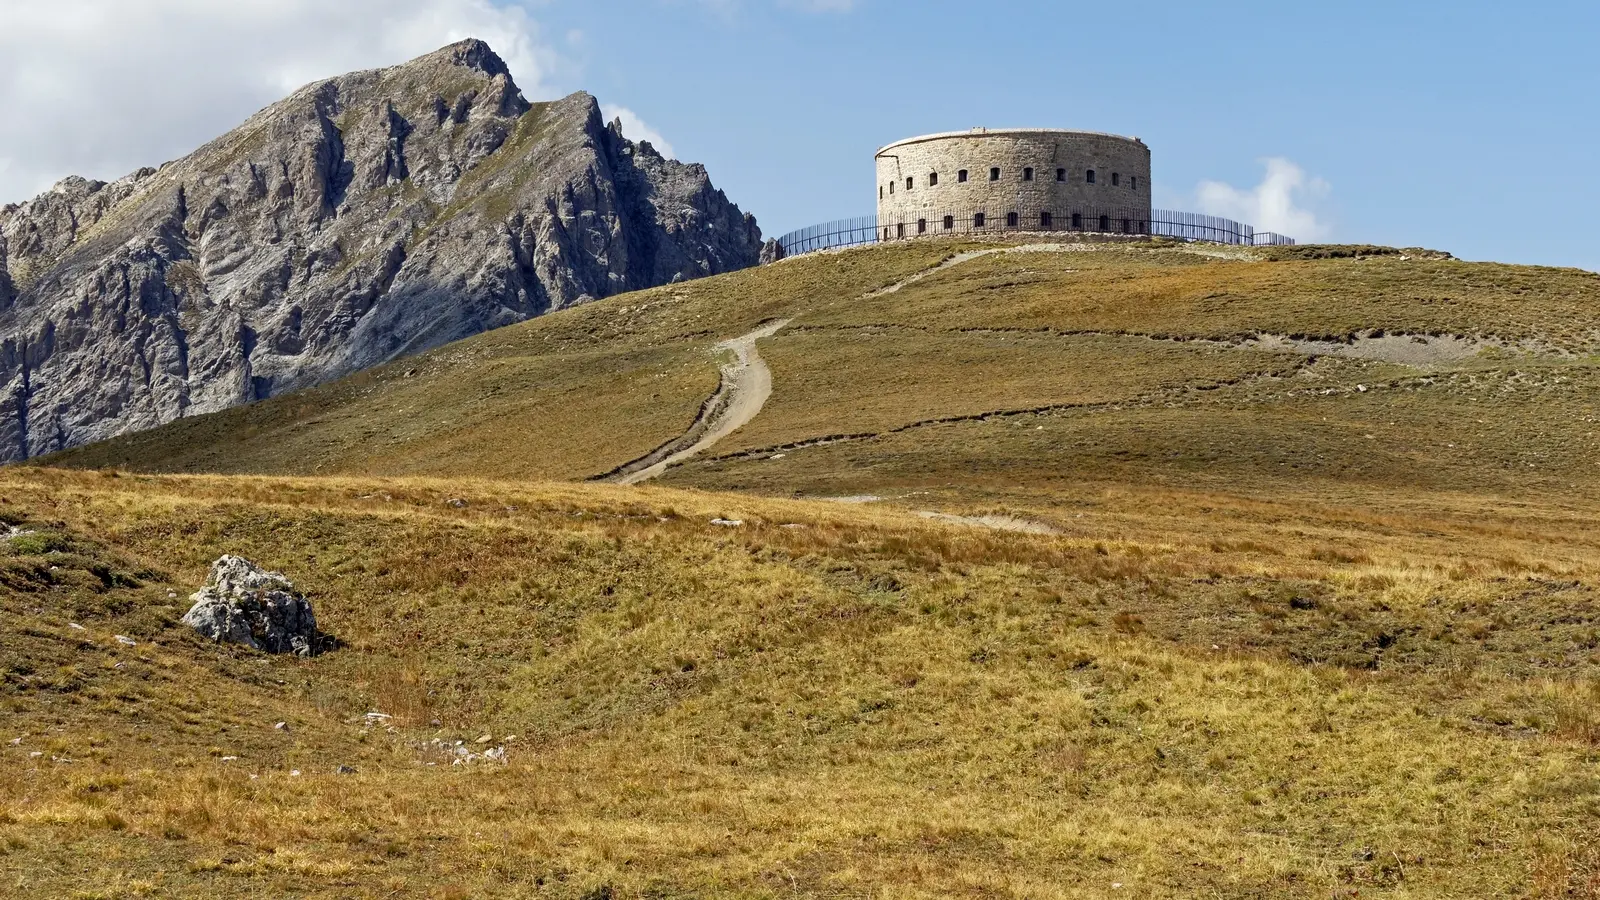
(1013, 180)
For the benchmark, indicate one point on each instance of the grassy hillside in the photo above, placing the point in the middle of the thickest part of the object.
(563, 396)
(1194, 572)
(1187, 695)
(1143, 365)
(1043, 363)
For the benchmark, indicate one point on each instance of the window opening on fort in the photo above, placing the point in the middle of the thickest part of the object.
(1061, 174)
(1045, 220)
(1125, 228)
(961, 176)
(1027, 174)
(891, 187)
(1133, 182)
(977, 220)
(1077, 220)
(880, 192)
(1105, 223)
(933, 179)
(1090, 179)
(1115, 180)
(949, 222)
(922, 226)
(994, 174)
(1011, 220)
(910, 182)
(900, 230)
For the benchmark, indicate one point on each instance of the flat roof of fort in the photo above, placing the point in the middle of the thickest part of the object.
(991, 132)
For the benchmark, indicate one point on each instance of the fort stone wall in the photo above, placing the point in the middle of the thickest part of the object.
(1013, 180)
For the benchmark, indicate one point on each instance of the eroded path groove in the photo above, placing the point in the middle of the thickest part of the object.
(746, 385)
(955, 260)
(745, 388)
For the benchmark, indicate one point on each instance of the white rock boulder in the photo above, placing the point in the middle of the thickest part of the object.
(243, 603)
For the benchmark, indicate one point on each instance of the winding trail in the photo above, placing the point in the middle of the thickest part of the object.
(745, 388)
(955, 260)
(746, 385)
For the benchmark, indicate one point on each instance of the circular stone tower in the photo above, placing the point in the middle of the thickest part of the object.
(1013, 179)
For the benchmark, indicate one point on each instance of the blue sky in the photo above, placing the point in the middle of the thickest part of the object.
(1466, 126)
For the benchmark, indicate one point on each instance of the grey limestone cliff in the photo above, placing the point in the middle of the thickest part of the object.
(364, 218)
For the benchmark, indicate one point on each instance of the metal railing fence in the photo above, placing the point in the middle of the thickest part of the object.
(1154, 222)
(838, 233)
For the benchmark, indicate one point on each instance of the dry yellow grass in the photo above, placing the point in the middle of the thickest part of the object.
(1187, 694)
(1173, 292)
(1303, 626)
(874, 380)
(1131, 364)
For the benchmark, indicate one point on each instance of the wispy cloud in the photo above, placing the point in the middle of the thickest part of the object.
(1281, 202)
(635, 129)
(101, 87)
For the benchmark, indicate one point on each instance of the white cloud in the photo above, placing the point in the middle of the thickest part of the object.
(1279, 203)
(102, 87)
(635, 129)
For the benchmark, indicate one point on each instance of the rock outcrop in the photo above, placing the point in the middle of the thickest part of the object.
(7, 292)
(365, 218)
(243, 603)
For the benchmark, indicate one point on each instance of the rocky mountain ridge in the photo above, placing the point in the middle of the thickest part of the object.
(366, 217)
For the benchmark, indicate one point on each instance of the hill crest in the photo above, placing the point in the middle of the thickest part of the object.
(1326, 363)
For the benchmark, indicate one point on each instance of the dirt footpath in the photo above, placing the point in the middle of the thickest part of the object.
(746, 385)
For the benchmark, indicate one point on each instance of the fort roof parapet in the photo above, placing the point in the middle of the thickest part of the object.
(988, 132)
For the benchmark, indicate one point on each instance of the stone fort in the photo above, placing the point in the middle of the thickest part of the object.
(1013, 179)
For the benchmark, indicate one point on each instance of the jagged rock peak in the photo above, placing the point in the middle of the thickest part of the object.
(365, 217)
(473, 54)
(615, 130)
